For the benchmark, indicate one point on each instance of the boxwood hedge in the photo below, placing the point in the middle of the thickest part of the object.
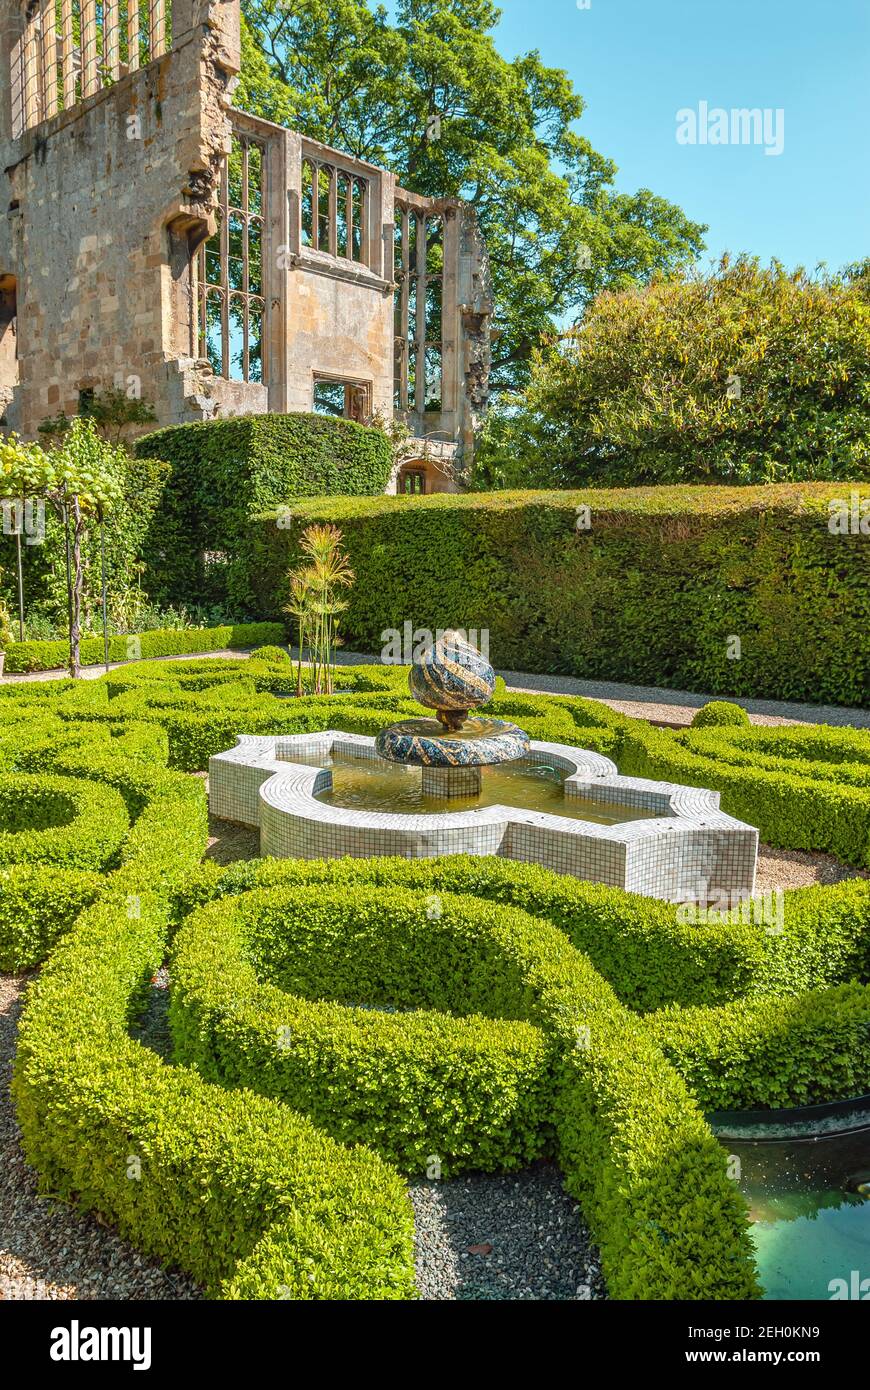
(316, 1005)
(49, 656)
(573, 1070)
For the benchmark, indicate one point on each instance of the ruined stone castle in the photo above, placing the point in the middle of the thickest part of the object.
(155, 240)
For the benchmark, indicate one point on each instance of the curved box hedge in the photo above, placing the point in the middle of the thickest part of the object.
(532, 1014)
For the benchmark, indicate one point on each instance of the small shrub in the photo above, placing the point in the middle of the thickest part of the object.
(720, 712)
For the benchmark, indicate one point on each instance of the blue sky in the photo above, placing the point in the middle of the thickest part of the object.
(637, 62)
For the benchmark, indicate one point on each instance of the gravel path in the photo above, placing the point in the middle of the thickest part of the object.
(799, 868)
(517, 1236)
(48, 1250)
(658, 704)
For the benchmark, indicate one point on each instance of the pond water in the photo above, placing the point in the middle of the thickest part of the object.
(383, 786)
(810, 1224)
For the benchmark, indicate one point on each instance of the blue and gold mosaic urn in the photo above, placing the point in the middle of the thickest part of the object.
(452, 678)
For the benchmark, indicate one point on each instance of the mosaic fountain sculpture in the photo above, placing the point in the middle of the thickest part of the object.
(654, 838)
(452, 678)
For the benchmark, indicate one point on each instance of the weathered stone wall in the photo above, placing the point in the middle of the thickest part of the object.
(104, 206)
(105, 202)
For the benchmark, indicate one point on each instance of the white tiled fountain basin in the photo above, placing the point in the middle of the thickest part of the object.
(690, 843)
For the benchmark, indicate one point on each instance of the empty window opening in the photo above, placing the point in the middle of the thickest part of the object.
(418, 311)
(412, 482)
(334, 211)
(231, 303)
(71, 49)
(350, 400)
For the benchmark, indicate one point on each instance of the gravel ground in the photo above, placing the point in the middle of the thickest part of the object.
(511, 1237)
(658, 704)
(48, 1250)
(798, 868)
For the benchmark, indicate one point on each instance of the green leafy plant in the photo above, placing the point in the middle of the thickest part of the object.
(316, 603)
(112, 411)
(747, 375)
(81, 478)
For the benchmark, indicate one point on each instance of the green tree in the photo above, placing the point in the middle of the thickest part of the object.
(747, 375)
(431, 98)
(81, 478)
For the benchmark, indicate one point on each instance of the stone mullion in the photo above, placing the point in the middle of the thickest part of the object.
(156, 28)
(246, 302)
(90, 71)
(111, 39)
(333, 212)
(49, 59)
(16, 84)
(132, 35)
(68, 57)
(348, 203)
(225, 269)
(420, 342)
(31, 74)
(404, 297)
(315, 205)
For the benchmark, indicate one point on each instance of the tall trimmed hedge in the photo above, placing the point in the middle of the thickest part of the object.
(224, 472)
(651, 593)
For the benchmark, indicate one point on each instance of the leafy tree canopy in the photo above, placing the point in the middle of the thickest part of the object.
(555, 227)
(747, 375)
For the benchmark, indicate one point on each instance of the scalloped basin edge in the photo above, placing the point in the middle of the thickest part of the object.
(691, 841)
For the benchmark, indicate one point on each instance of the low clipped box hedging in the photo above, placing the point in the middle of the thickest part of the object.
(226, 471)
(720, 713)
(330, 1020)
(650, 591)
(666, 1228)
(49, 656)
(60, 820)
(811, 791)
(771, 1052)
(249, 1197)
(37, 905)
(283, 990)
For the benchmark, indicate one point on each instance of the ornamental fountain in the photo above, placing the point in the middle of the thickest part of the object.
(452, 678)
(463, 783)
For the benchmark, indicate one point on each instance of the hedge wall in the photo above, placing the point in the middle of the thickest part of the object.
(224, 472)
(50, 656)
(651, 593)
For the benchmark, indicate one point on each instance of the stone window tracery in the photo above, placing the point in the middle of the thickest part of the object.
(418, 310)
(231, 303)
(334, 210)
